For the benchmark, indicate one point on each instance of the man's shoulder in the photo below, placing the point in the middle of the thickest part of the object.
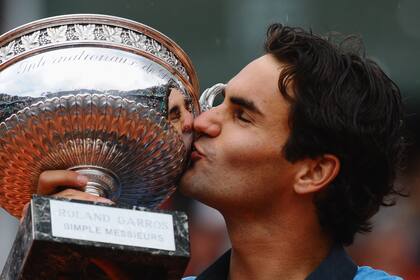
(368, 273)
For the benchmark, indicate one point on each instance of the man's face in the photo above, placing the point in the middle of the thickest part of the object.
(180, 116)
(238, 162)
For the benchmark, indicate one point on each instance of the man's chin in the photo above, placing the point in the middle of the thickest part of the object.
(185, 181)
(189, 181)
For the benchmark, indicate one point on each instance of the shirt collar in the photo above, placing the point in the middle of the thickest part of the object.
(337, 265)
(218, 270)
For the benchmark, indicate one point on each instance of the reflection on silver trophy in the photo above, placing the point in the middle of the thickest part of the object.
(100, 95)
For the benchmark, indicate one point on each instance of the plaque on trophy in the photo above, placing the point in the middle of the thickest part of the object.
(92, 93)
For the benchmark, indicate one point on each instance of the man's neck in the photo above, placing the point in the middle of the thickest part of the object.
(276, 247)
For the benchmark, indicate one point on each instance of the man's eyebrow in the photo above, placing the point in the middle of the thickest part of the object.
(186, 103)
(247, 104)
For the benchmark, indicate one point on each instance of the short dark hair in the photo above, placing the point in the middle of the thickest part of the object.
(341, 103)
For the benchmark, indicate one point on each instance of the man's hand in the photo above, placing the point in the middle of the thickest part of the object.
(66, 183)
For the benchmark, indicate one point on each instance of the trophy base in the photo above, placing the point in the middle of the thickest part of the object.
(64, 239)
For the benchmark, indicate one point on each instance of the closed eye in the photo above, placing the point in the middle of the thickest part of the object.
(239, 114)
(174, 114)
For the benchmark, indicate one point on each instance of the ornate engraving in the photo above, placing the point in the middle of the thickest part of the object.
(83, 32)
(90, 32)
(7, 51)
(112, 34)
(30, 41)
(57, 35)
(137, 40)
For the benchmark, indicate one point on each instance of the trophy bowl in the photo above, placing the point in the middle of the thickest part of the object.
(93, 94)
(90, 93)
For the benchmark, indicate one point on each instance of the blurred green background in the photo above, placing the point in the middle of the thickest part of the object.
(222, 36)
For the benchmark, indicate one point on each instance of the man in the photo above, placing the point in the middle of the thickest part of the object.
(180, 116)
(298, 158)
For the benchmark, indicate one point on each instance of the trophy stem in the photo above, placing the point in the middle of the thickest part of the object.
(101, 181)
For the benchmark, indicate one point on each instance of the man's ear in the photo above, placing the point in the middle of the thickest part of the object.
(315, 174)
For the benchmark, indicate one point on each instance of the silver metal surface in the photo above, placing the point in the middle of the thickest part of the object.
(90, 93)
(209, 95)
(101, 181)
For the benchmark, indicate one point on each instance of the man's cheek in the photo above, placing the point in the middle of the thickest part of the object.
(188, 139)
(244, 155)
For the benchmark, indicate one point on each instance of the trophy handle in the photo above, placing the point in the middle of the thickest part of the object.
(101, 181)
(208, 96)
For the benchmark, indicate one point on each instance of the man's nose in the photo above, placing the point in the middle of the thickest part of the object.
(208, 123)
(187, 123)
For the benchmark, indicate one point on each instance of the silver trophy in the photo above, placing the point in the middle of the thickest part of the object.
(92, 93)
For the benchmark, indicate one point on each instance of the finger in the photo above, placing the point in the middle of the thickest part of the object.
(75, 194)
(50, 180)
(24, 211)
